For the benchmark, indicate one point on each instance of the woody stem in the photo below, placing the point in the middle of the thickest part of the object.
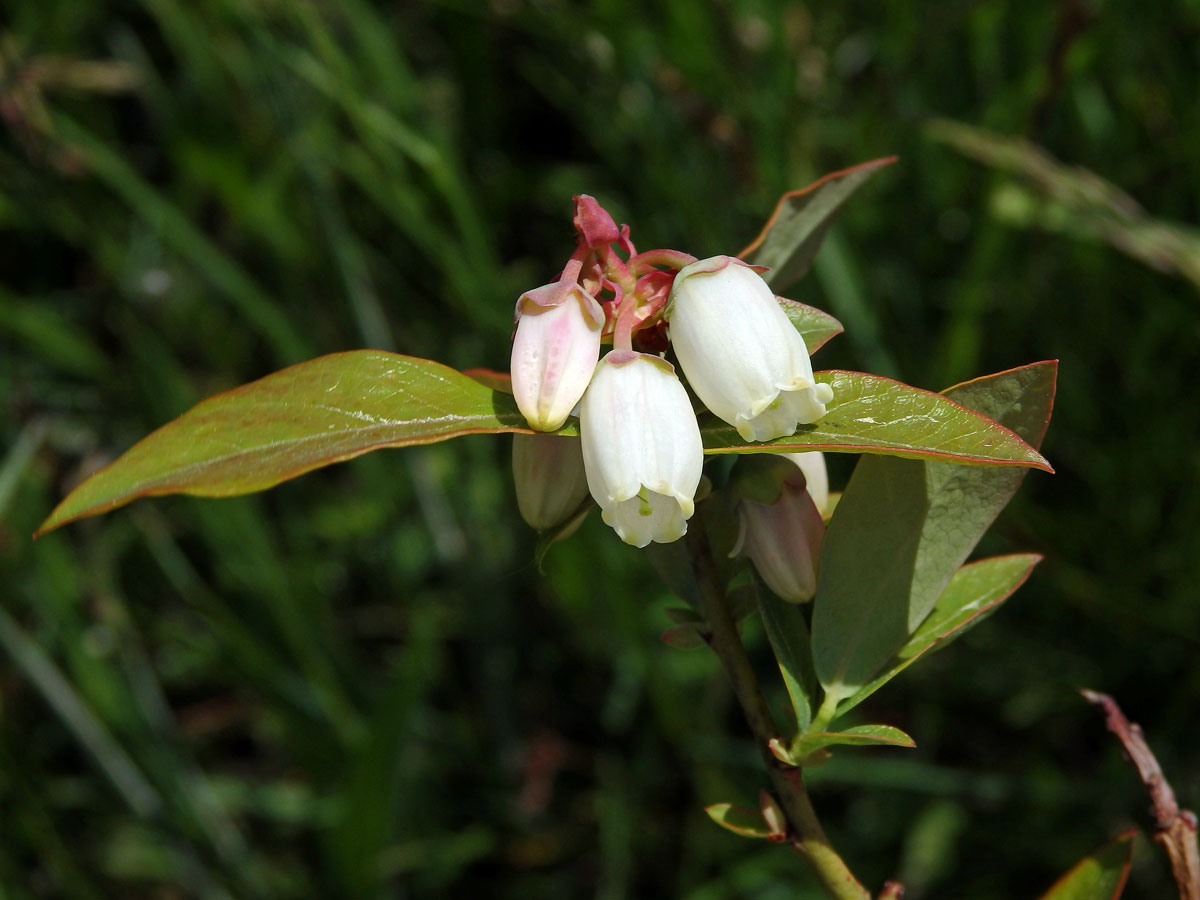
(805, 833)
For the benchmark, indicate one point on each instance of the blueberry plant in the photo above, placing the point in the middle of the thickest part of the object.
(704, 364)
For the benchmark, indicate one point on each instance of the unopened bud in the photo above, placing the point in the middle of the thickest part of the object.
(780, 527)
(595, 226)
(549, 478)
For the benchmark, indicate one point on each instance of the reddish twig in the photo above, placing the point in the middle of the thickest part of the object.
(1176, 831)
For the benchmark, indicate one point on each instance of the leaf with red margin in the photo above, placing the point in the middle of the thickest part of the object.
(872, 414)
(793, 234)
(319, 412)
(1101, 875)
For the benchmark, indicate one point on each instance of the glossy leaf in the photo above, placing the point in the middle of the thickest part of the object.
(871, 414)
(814, 325)
(329, 409)
(858, 736)
(788, 634)
(740, 820)
(793, 234)
(1100, 875)
(904, 527)
(975, 591)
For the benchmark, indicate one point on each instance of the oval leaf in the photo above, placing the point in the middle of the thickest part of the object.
(872, 414)
(975, 591)
(793, 234)
(1100, 875)
(904, 527)
(323, 411)
(858, 736)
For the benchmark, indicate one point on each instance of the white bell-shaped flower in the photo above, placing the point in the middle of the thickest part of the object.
(742, 356)
(780, 526)
(554, 351)
(549, 478)
(641, 447)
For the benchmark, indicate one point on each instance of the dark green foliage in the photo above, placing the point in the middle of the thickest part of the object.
(358, 685)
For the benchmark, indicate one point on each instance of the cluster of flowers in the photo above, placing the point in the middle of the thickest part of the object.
(642, 453)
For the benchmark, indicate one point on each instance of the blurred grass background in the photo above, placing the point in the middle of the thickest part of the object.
(357, 685)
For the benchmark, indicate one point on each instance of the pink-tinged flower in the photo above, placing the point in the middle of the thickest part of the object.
(554, 351)
(780, 527)
(593, 224)
(549, 478)
(641, 447)
(741, 355)
(816, 476)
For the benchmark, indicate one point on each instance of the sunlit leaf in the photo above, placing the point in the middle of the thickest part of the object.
(904, 527)
(793, 234)
(329, 409)
(1100, 875)
(975, 591)
(870, 414)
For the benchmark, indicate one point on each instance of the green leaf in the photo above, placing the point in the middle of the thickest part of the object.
(904, 527)
(858, 736)
(740, 820)
(793, 234)
(814, 325)
(323, 411)
(788, 634)
(871, 414)
(1100, 875)
(975, 591)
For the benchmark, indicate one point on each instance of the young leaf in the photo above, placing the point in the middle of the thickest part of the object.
(1100, 875)
(975, 591)
(904, 527)
(793, 234)
(740, 820)
(858, 736)
(788, 634)
(323, 411)
(814, 325)
(871, 414)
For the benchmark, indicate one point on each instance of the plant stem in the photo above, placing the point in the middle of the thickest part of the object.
(805, 833)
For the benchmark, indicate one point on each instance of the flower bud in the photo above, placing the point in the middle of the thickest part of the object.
(780, 527)
(641, 447)
(816, 476)
(554, 351)
(593, 224)
(742, 356)
(549, 478)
